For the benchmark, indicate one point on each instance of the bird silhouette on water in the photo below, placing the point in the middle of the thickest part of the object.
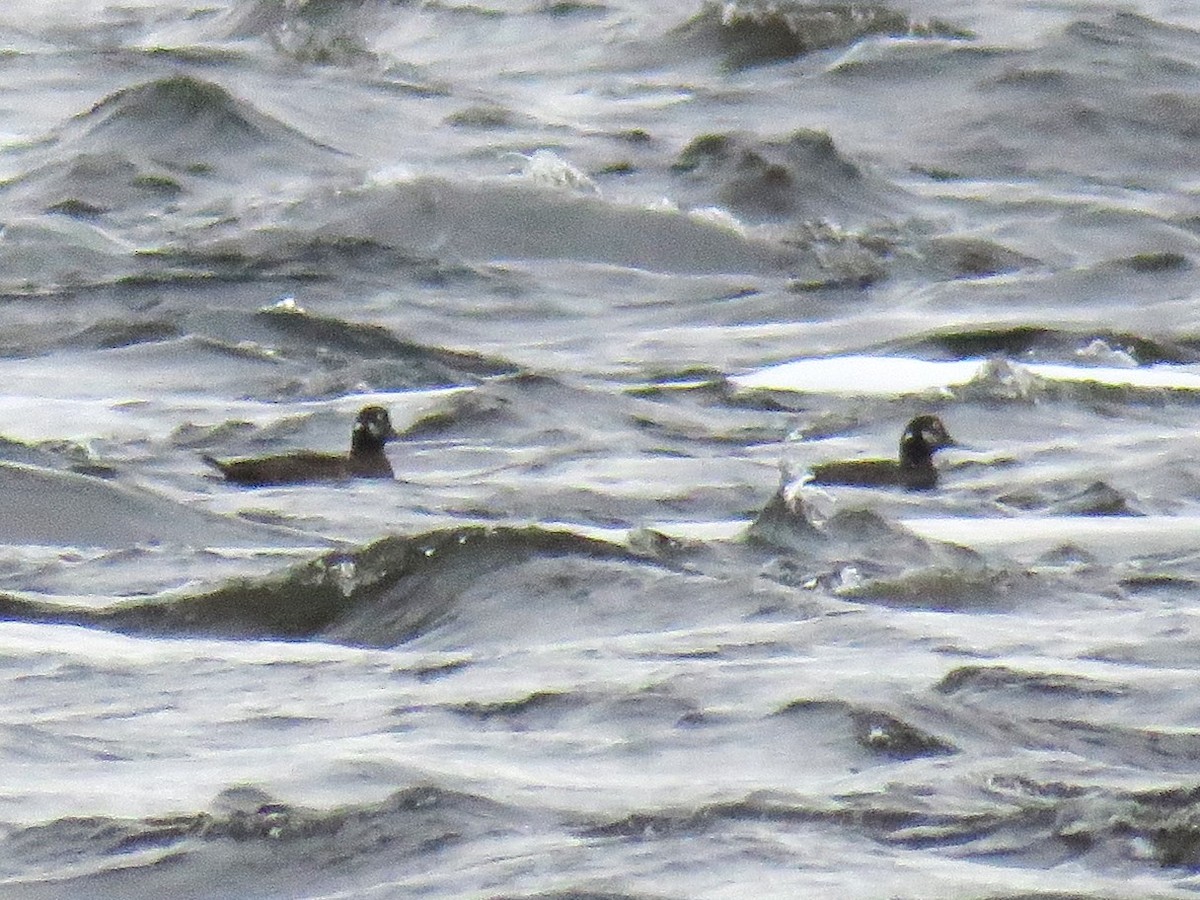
(366, 459)
(914, 469)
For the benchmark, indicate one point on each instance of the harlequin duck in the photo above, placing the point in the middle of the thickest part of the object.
(372, 429)
(914, 470)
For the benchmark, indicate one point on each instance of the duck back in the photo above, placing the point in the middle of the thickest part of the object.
(876, 473)
(366, 459)
(302, 467)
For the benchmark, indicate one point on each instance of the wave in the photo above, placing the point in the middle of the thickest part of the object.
(1103, 100)
(1122, 348)
(940, 587)
(526, 409)
(186, 123)
(43, 256)
(982, 380)
(974, 682)
(151, 147)
(1068, 498)
(312, 32)
(748, 33)
(879, 733)
(860, 555)
(266, 356)
(1036, 824)
(478, 586)
(1064, 713)
(46, 507)
(258, 841)
(784, 523)
(388, 593)
(366, 341)
(801, 176)
(330, 357)
(262, 843)
(511, 218)
(296, 257)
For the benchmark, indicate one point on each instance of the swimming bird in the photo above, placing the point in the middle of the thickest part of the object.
(366, 459)
(914, 470)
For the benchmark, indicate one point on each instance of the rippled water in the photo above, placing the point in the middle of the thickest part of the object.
(621, 272)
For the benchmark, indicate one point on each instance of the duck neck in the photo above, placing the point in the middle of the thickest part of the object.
(363, 443)
(915, 453)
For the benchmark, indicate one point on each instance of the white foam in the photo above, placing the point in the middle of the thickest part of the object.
(1017, 536)
(1125, 535)
(891, 375)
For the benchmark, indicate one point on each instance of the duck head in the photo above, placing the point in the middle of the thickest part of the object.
(924, 435)
(372, 429)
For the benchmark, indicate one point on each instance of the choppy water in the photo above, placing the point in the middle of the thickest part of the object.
(621, 272)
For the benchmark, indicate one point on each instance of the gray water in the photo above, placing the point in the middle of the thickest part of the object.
(599, 638)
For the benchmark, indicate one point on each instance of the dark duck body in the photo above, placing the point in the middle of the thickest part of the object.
(913, 470)
(366, 459)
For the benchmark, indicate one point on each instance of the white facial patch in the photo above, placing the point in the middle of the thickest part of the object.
(377, 426)
(933, 436)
